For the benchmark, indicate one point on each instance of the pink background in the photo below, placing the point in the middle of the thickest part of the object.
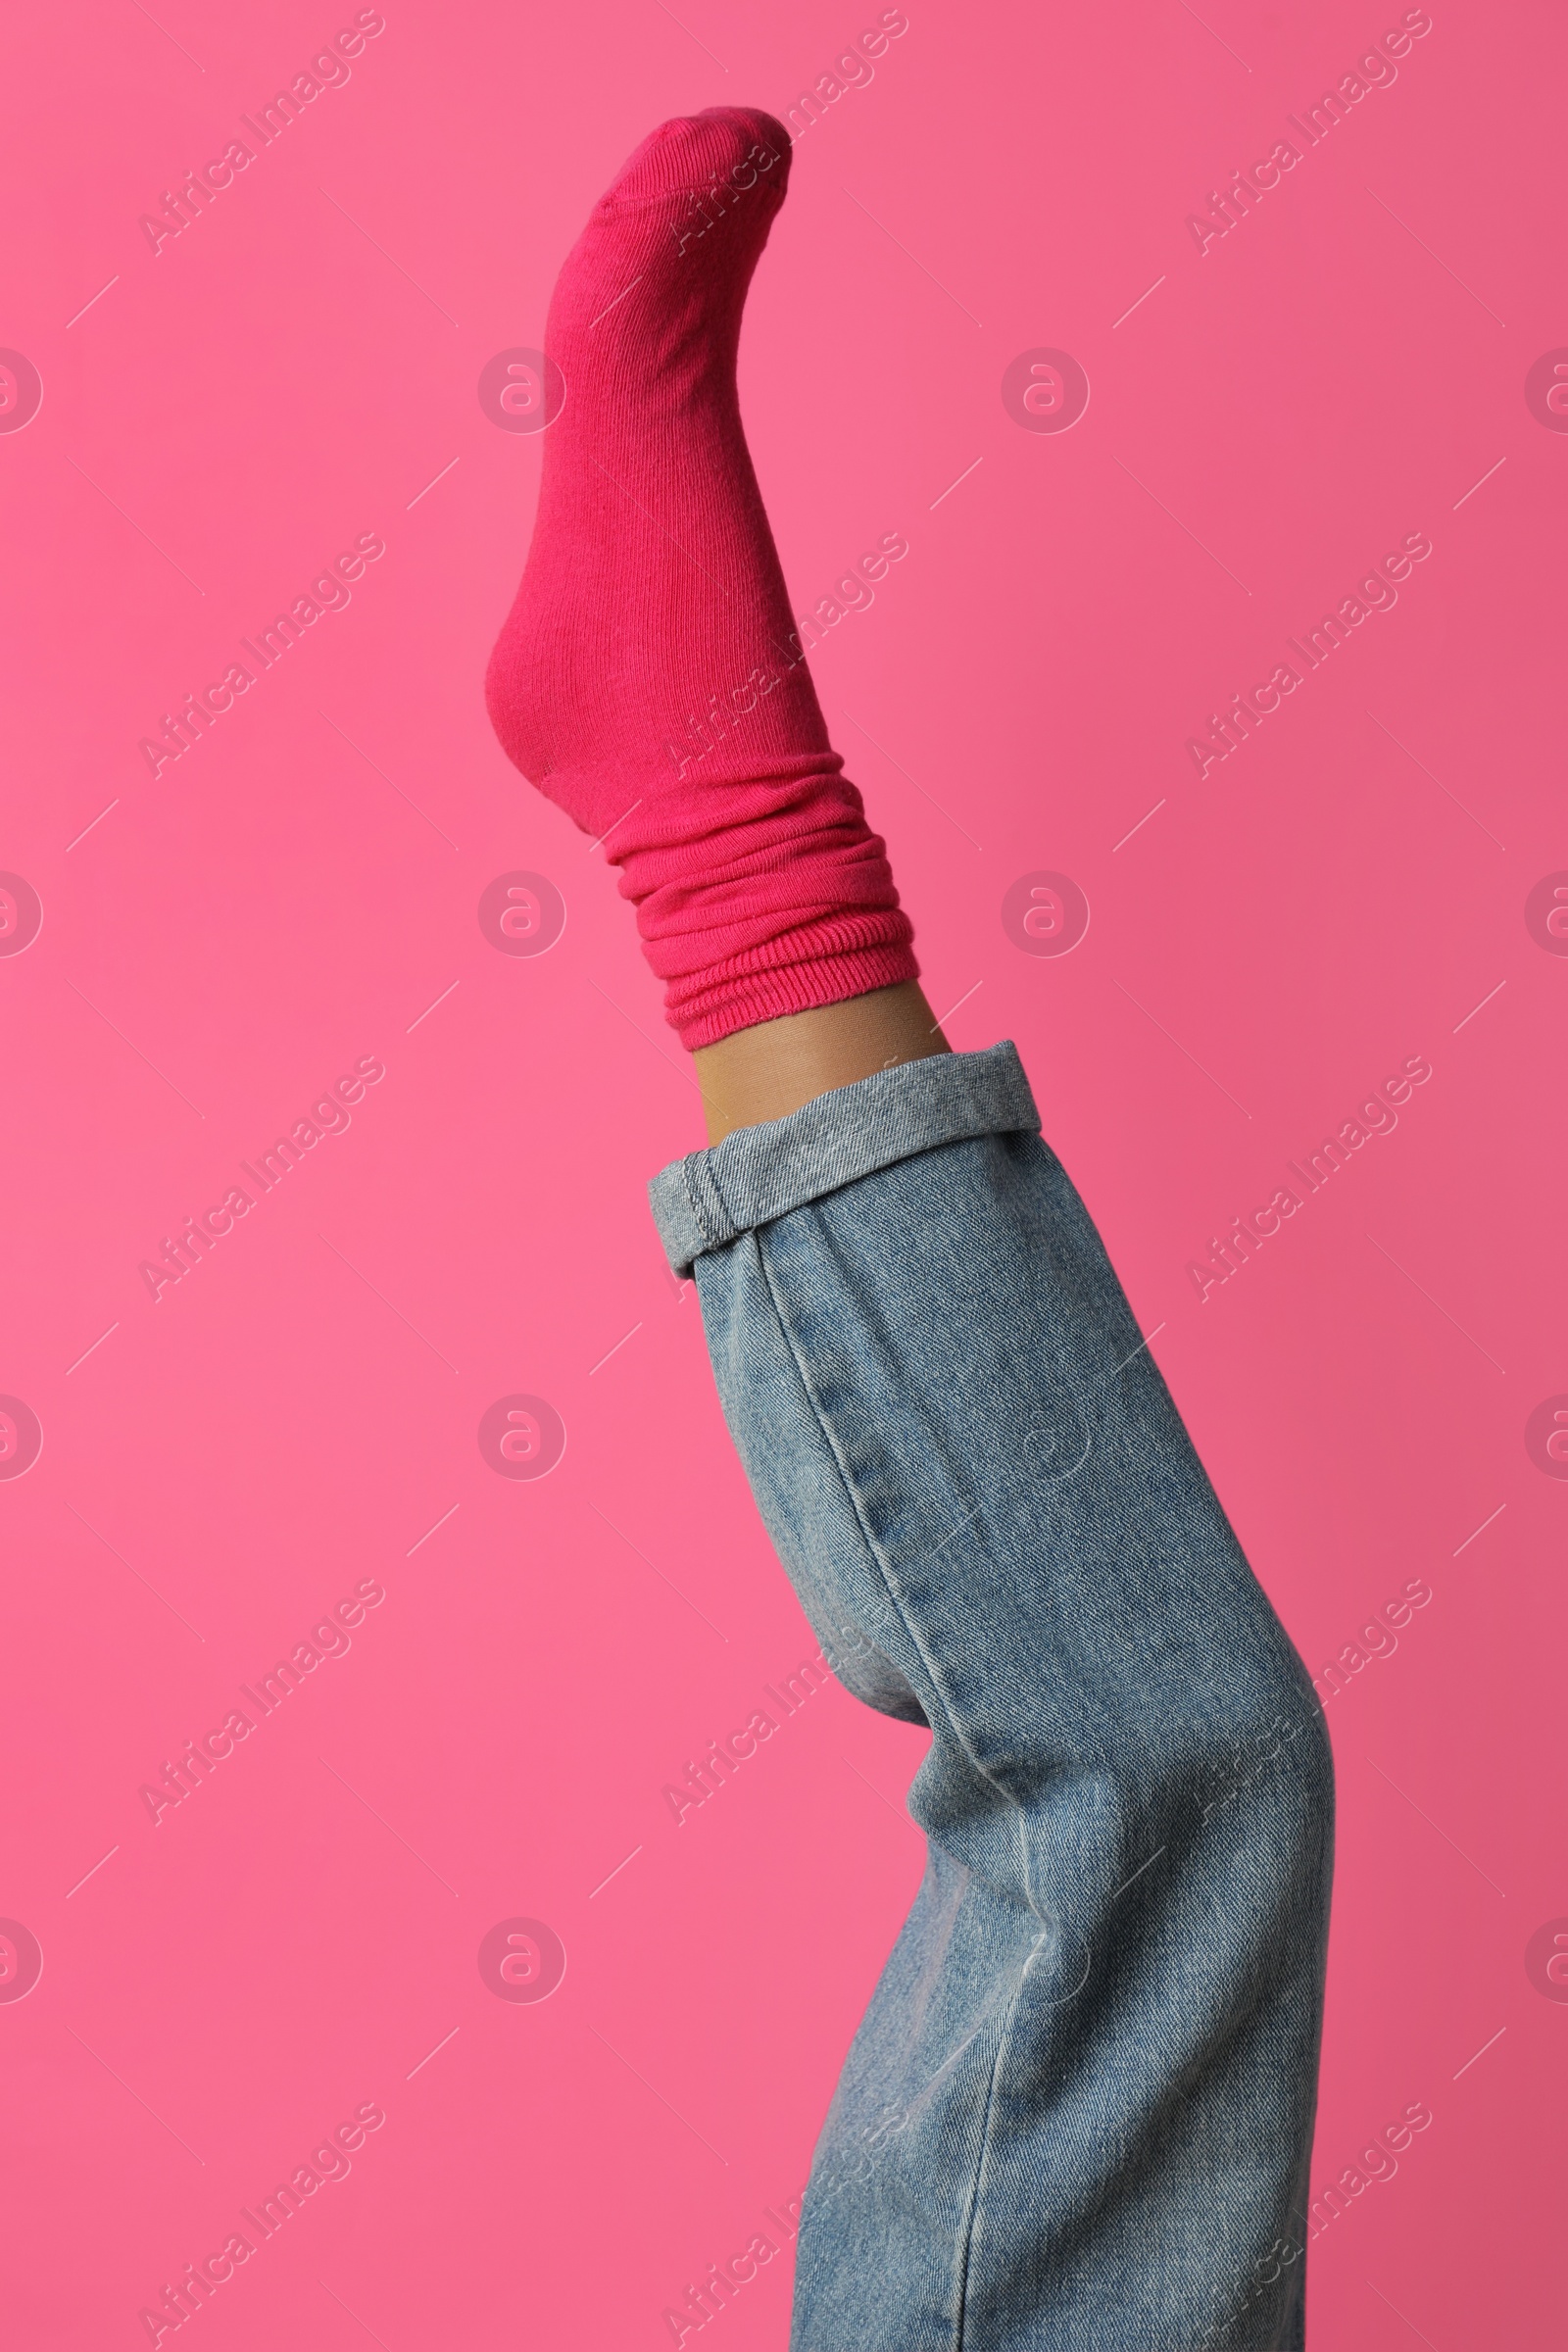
(221, 1989)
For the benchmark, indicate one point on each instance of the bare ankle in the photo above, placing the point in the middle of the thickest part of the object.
(768, 1071)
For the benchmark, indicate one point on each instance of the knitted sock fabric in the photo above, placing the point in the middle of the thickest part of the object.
(649, 678)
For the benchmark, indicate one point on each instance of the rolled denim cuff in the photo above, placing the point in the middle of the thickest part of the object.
(709, 1199)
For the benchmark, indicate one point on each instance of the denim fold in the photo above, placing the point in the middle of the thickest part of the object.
(704, 1200)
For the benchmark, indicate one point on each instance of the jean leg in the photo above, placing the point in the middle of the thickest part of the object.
(1079, 2110)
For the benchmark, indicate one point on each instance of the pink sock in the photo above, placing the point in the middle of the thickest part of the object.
(647, 678)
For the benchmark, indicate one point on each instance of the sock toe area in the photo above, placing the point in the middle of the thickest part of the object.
(692, 150)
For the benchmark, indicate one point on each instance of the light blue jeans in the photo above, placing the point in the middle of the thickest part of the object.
(1078, 2113)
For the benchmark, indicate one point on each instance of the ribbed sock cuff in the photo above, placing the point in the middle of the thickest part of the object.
(824, 964)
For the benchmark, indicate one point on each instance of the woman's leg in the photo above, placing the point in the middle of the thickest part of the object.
(1079, 2111)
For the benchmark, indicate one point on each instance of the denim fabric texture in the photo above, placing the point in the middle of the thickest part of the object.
(1078, 2113)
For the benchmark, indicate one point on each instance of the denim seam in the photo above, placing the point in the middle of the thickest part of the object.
(885, 1574)
(982, 2164)
(895, 1596)
(895, 1599)
(698, 1219)
(972, 2217)
(976, 2186)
